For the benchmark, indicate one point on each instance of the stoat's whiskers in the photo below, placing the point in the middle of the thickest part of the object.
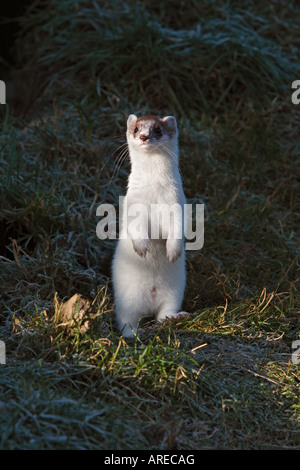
(172, 154)
(120, 160)
(169, 152)
(114, 140)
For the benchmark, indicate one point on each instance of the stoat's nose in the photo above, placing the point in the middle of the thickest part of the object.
(144, 137)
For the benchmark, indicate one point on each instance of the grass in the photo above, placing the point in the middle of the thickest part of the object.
(223, 377)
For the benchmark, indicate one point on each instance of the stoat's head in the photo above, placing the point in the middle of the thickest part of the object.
(150, 134)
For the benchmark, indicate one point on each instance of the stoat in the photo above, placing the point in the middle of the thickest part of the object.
(148, 271)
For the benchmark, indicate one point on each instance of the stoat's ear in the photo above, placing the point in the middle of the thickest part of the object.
(131, 120)
(170, 123)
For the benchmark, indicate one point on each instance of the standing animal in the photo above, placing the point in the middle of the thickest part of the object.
(148, 269)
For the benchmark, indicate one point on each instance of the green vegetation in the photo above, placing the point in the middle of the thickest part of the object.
(221, 378)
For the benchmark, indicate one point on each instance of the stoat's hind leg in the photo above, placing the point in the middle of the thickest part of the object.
(128, 329)
(171, 300)
(128, 320)
(130, 306)
(162, 316)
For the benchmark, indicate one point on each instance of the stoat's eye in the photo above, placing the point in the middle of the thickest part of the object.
(135, 130)
(158, 131)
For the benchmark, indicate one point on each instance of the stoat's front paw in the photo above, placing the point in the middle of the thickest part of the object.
(141, 246)
(173, 249)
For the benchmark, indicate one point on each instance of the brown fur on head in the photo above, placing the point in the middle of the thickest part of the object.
(151, 127)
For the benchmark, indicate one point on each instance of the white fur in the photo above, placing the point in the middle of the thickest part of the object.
(149, 275)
